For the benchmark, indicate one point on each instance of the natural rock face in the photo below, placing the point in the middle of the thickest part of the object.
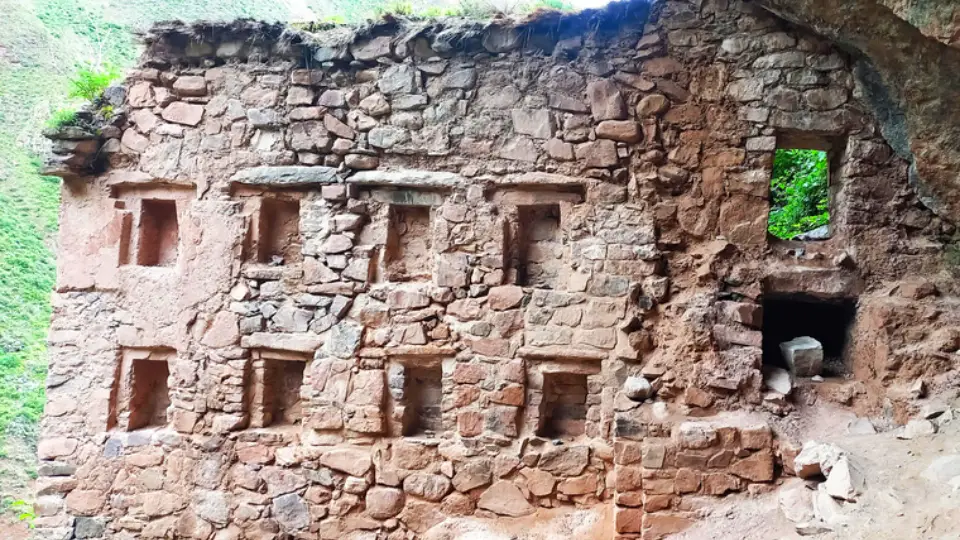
(349, 291)
(919, 124)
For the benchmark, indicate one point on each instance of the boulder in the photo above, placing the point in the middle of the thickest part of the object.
(804, 355)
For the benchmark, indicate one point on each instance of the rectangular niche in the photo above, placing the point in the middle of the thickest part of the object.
(273, 388)
(408, 254)
(141, 395)
(159, 233)
(563, 408)
(539, 246)
(278, 232)
(422, 399)
(788, 317)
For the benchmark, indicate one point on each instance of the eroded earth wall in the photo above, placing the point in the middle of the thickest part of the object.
(341, 285)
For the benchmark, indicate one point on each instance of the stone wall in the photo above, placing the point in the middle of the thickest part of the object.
(388, 278)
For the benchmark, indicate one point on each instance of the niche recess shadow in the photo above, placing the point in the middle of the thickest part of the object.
(790, 316)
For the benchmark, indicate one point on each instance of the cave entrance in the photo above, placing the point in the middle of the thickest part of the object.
(792, 316)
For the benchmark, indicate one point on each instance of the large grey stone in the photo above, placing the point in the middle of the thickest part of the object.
(804, 355)
(291, 512)
(344, 339)
(398, 79)
(289, 176)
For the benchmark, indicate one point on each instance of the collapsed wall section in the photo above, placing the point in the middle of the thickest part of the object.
(430, 271)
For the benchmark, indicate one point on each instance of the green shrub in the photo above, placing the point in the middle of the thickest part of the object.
(22, 509)
(557, 5)
(90, 82)
(62, 118)
(397, 7)
(799, 192)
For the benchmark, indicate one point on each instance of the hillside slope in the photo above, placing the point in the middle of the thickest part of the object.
(41, 44)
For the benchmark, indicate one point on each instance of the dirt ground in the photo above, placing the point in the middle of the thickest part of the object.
(899, 501)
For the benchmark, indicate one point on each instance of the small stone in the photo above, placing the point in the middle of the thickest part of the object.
(652, 105)
(619, 130)
(778, 380)
(637, 388)
(384, 502)
(190, 86)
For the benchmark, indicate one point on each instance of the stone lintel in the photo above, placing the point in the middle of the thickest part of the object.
(561, 353)
(300, 342)
(129, 179)
(420, 351)
(408, 178)
(818, 282)
(286, 177)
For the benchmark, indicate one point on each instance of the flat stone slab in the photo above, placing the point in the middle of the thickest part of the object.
(283, 177)
(408, 178)
(300, 342)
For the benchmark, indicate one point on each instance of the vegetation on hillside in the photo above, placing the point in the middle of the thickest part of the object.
(799, 192)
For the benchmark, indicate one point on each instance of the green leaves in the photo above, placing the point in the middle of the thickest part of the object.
(89, 82)
(799, 192)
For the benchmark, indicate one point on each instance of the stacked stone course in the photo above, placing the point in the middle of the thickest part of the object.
(466, 242)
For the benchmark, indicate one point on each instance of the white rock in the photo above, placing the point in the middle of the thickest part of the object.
(817, 459)
(637, 388)
(844, 481)
(804, 355)
(917, 428)
(778, 380)
(943, 469)
(796, 501)
(933, 410)
(861, 426)
(827, 509)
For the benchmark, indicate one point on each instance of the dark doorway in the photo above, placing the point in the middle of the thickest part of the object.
(786, 317)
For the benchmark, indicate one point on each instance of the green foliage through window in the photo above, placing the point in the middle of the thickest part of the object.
(799, 192)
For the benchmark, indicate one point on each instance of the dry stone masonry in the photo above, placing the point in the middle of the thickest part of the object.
(351, 284)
